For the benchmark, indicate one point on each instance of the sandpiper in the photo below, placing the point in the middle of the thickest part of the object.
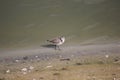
(57, 42)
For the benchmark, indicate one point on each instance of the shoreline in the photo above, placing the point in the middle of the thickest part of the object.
(65, 50)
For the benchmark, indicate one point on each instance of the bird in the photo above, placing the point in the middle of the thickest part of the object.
(57, 41)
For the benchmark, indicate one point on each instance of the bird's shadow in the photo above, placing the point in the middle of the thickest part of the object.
(49, 46)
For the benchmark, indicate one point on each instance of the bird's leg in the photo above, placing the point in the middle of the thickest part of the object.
(55, 47)
(58, 47)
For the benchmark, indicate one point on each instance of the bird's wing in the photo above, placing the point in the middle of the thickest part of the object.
(55, 40)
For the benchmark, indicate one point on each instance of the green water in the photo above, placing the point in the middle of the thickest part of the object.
(31, 22)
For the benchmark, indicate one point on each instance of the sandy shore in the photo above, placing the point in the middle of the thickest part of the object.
(85, 62)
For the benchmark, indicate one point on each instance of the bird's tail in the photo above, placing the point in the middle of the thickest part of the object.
(48, 40)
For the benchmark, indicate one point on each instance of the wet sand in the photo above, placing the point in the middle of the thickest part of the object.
(65, 50)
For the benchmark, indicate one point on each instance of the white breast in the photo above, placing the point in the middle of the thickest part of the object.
(61, 41)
